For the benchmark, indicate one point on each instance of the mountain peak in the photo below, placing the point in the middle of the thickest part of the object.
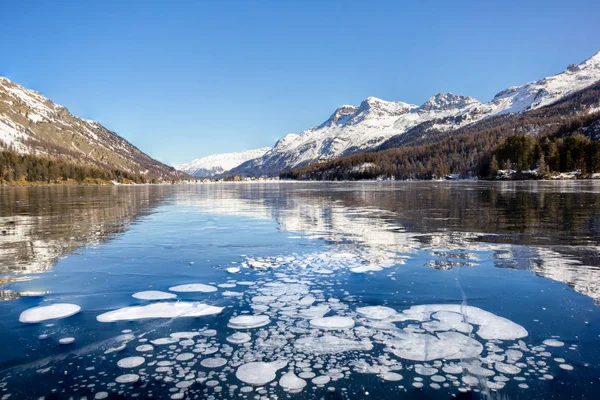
(340, 115)
(378, 106)
(284, 141)
(592, 62)
(447, 101)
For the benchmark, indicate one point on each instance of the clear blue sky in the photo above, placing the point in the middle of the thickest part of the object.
(186, 79)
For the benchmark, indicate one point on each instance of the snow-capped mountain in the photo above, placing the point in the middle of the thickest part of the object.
(32, 124)
(352, 129)
(219, 164)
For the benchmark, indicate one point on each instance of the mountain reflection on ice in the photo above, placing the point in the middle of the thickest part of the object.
(549, 228)
(336, 291)
(40, 224)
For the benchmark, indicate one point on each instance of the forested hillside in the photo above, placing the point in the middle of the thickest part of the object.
(32, 124)
(28, 169)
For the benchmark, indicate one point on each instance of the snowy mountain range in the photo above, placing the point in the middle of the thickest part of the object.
(219, 164)
(352, 129)
(32, 124)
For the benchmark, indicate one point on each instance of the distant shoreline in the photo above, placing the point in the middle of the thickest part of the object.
(271, 181)
(73, 183)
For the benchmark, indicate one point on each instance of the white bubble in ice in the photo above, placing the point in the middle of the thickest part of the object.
(184, 356)
(193, 287)
(425, 347)
(144, 348)
(131, 362)
(332, 323)
(376, 312)
(163, 341)
(553, 343)
(426, 371)
(327, 344)
(290, 382)
(239, 338)
(470, 380)
(213, 362)
(507, 368)
(231, 293)
(259, 373)
(160, 310)
(248, 321)
(44, 313)
(366, 268)
(153, 295)
(491, 326)
(321, 380)
(127, 378)
(391, 376)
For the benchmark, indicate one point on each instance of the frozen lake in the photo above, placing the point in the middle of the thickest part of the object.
(430, 290)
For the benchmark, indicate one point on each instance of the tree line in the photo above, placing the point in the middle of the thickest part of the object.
(16, 167)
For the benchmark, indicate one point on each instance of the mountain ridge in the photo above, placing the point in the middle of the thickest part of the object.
(31, 123)
(219, 164)
(351, 129)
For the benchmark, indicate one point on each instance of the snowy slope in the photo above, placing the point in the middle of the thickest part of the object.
(352, 129)
(32, 124)
(218, 164)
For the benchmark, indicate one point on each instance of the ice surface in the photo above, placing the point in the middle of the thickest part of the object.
(66, 340)
(194, 287)
(44, 313)
(160, 310)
